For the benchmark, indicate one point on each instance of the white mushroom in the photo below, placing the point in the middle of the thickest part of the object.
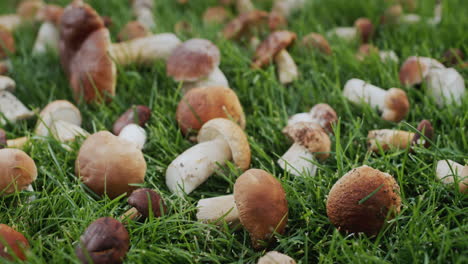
(135, 134)
(48, 37)
(10, 22)
(446, 86)
(274, 257)
(449, 172)
(10, 107)
(287, 68)
(287, 7)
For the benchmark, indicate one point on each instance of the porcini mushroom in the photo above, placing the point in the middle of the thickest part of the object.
(415, 69)
(144, 202)
(7, 43)
(48, 36)
(110, 165)
(274, 257)
(143, 10)
(363, 200)
(12, 244)
(219, 140)
(393, 103)
(202, 104)
(244, 24)
(322, 114)
(452, 57)
(133, 30)
(274, 47)
(215, 15)
(11, 109)
(317, 41)
(138, 114)
(287, 7)
(366, 50)
(17, 171)
(450, 172)
(244, 6)
(104, 241)
(363, 30)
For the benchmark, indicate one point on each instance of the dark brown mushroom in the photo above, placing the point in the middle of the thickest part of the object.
(144, 201)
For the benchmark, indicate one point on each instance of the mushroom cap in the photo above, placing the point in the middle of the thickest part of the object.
(51, 13)
(424, 127)
(361, 200)
(143, 198)
(232, 134)
(365, 29)
(396, 105)
(59, 110)
(366, 50)
(271, 46)
(108, 164)
(242, 24)
(3, 139)
(193, 60)
(28, 9)
(315, 40)
(311, 136)
(392, 14)
(104, 241)
(215, 15)
(7, 43)
(262, 205)
(132, 30)
(202, 104)
(277, 21)
(17, 170)
(415, 69)
(143, 114)
(452, 57)
(7, 84)
(274, 257)
(325, 115)
(15, 241)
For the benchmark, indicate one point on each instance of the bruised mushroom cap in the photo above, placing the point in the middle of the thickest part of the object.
(7, 43)
(242, 24)
(396, 105)
(215, 15)
(315, 40)
(234, 137)
(274, 257)
(17, 170)
(110, 165)
(193, 60)
(202, 104)
(60, 110)
(262, 205)
(133, 30)
(139, 114)
(365, 29)
(311, 136)
(274, 43)
(361, 200)
(415, 69)
(425, 128)
(142, 199)
(104, 241)
(325, 115)
(15, 242)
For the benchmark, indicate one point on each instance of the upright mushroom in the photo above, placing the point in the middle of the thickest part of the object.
(220, 140)
(144, 202)
(17, 171)
(363, 30)
(138, 114)
(393, 103)
(11, 109)
(450, 172)
(48, 35)
(12, 244)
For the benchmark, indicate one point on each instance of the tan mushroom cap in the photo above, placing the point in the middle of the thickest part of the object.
(396, 105)
(365, 29)
(28, 9)
(325, 114)
(233, 135)
(15, 241)
(274, 43)
(315, 40)
(7, 43)
(17, 170)
(133, 30)
(202, 104)
(262, 205)
(242, 24)
(352, 205)
(193, 60)
(311, 136)
(59, 110)
(108, 165)
(215, 15)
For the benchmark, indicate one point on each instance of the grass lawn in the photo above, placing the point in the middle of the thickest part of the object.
(431, 228)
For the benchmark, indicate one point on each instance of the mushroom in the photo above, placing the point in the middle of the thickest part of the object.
(274, 257)
(137, 114)
(133, 30)
(244, 6)
(393, 103)
(12, 244)
(26, 12)
(390, 138)
(220, 140)
(3, 139)
(17, 171)
(450, 172)
(215, 15)
(322, 114)
(363, 29)
(316, 41)
(366, 50)
(104, 241)
(245, 24)
(144, 202)
(143, 10)
(110, 165)
(274, 47)
(287, 7)
(196, 63)
(48, 35)
(415, 69)
(363, 200)
(11, 109)
(259, 203)
(202, 104)
(7, 43)
(453, 57)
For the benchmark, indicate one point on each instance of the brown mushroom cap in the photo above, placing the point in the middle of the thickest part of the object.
(104, 241)
(202, 104)
(452, 57)
(412, 71)
(15, 241)
(366, 50)
(365, 29)
(325, 114)
(396, 105)
(132, 30)
(311, 136)
(3, 139)
(7, 43)
(361, 200)
(275, 42)
(242, 24)
(29, 8)
(138, 114)
(17, 170)
(51, 13)
(424, 127)
(108, 164)
(193, 60)
(315, 40)
(142, 199)
(215, 15)
(262, 205)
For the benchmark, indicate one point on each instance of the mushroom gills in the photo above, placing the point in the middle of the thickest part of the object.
(297, 160)
(213, 209)
(48, 37)
(287, 68)
(65, 132)
(12, 108)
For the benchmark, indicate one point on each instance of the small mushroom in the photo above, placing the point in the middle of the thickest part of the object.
(12, 244)
(11, 109)
(143, 10)
(220, 140)
(110, 165)
(274, 257)
(137, 114)
(274, 47)
(363, 29)
(245, 24)
(393, 103)
(17, 171)
(104, 241)
(48, 36)
(215, 15)
(202, 104)
(450, 172)
(196, 63)
(261, 217)
(322, 114)
(363, 200)
(287, 7)
(244, 6)
(133, 30)
(144, 202)
(366, 50)
(316, 41)
(7, 43)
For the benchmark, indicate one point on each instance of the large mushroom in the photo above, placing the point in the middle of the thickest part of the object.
(11, 109)
(362, 30)
(220, 140)
(450, 172)
(13, 244)
(17, 171)
(393, 103)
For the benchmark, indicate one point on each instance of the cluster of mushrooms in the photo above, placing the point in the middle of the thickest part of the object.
(210, 114)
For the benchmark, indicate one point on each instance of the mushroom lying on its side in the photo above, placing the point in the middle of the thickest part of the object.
(450, 172)
(12, 244)
(321, 114)
(363, 30)
(11, 109)
(144, 202)
(274, 257)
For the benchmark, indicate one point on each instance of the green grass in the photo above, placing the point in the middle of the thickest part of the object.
(432, 227)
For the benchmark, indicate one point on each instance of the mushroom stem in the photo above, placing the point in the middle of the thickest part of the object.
(144, 50)
(449, 171)
(437, 14)
(65, 131)
(211, 210)
(287, 7)
(29, 188)
(130, 214)
(135, 134)
(409, 19)
(195, 165)
(215, 78)
(12, 108)
(244, 6)
(346, 33)
(10, 22)
(48, 37)
(298, 160)
(17, 142)
(389, 138)
(357, 91)
(287, 68)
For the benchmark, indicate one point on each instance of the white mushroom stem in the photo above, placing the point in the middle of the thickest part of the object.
(346, 33)
(130, 214)
(215, 78)
(30, 189)
(145, 50)
(10, 22)
(387, 138)
(211, 210)
(7, 84)
(446, 86)
(244, 6)
(287, 68)
(48, 37)
(449, 171)
(357, 90)
(274, 257)
(65, 132)
(135, 134)
(287, 7)
(17, 142)
(195, 165)
(297, 160)
(409, 19)
(12, 108)
(437, 14)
